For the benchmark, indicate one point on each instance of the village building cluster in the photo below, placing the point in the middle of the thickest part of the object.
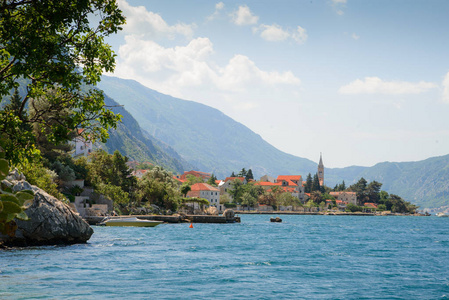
(293, 184)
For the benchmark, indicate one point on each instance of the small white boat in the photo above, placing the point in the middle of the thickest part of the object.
(131, 222)
(441, 214)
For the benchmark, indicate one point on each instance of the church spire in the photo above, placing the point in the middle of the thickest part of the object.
(321, 170)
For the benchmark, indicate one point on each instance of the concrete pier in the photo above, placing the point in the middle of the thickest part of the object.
(94, 220)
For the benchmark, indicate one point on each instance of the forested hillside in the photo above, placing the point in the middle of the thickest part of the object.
(129, 139)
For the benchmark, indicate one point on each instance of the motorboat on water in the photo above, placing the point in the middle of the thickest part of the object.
(441, 214)
(135, 222)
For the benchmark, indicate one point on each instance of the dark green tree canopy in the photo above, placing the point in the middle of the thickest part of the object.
(53, 49)
(308, 185)
(249, 175)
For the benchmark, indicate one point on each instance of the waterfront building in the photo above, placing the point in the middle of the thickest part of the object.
(206, 191)
(226, 185)
(350, 197)
(205, 176)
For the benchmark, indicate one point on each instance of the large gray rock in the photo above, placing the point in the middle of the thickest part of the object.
(50, 221)
(229, 214)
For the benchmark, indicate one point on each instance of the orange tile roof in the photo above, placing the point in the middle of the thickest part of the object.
(203, 187)
(266, 183)
(179, 179)
(370, 204)
(290, 177)
(232, 178)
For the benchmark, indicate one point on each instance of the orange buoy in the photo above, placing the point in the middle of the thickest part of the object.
(191, 225)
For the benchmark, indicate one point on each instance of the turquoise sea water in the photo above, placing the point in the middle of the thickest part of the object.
(304, 257)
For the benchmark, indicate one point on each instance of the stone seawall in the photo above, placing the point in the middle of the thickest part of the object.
(94, 220)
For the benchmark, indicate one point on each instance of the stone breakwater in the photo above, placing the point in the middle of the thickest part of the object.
(51, 221)
(227, 217)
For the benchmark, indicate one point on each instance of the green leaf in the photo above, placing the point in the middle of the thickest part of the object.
(11, 208)
(22, 216)
(10, 198)
(7, 190)
(1, 206)
(25, 199)
(4, 168)
(6, 217)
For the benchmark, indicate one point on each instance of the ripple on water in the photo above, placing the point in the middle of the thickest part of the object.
(308, 257)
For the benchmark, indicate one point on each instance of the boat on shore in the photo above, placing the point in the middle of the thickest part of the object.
(441, 214)
(133, 222)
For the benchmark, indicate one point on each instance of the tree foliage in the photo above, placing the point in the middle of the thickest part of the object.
(191, 179)
(370, 192)
(159, 188)
(249, 175)
(110, 169)
(54, 49)
(308, 185)
(12, 205)
(315, 183)
(212, 180)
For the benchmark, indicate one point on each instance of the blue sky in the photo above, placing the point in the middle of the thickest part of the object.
(360, 81)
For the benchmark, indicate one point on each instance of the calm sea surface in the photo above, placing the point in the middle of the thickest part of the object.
(305, 257)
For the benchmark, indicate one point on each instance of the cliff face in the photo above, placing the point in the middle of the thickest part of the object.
(51, 222)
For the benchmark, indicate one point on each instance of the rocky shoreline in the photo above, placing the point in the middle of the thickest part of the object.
(51, 222)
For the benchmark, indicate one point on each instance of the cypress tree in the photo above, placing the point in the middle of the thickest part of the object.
(249, 175)
(308, 187)
(316, 183)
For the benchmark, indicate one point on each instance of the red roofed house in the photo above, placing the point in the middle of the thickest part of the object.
(350, 197)
(203, 175)
(206, 191)
(139, 173)
(227, 185)
(292, 184)
(370, 205)
(82, 147)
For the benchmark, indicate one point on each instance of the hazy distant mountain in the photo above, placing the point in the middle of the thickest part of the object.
(425, 182)
(202, 135)
(212, 142)
(129, 139)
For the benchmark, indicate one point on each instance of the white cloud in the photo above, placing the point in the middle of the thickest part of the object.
(375, 85)
(142, 22)
(355, 36)
(244, 16)
(337, 5)
(190, 64)
(218, 7)
(446, 88)
(189, 72)
(275, 33)
(300, 35)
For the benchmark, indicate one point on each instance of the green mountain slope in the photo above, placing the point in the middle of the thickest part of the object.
(129, 139)
(425, 183)
(203, 136)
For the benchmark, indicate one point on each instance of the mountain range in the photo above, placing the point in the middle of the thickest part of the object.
(184, 135)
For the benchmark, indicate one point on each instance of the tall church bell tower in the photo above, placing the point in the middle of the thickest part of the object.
(321, 171)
